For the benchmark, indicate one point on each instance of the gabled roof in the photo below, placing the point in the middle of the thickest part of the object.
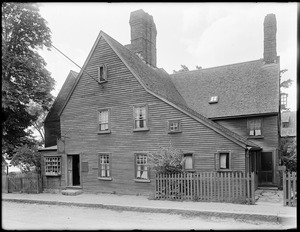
(247, 88)
(59, 102)
(158, 83)
(290, 118)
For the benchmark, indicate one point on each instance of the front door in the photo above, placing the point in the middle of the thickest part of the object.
(73, 175)
(265, 172)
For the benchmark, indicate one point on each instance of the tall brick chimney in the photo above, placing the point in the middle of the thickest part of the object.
(270, 29)
(143, 36)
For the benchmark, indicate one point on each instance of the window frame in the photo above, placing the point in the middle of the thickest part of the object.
(174, 121)
(283, 99)
(136, 179)
(108, 119)
(213, 99)
(217, 161)
(104, 73)
(99, 177)
(261, 127)
(59, 165)
(146, 128)
(193, 162)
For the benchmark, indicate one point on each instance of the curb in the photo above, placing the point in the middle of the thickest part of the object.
(194, 213)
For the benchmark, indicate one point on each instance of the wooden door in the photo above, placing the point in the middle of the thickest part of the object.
(266, 168)
(70, 170)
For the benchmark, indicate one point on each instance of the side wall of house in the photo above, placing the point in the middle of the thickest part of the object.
(120, 94)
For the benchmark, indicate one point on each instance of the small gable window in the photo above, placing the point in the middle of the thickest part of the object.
(174, 126)
(103, 121)
(140, 115)
(283, 99)
(102, 73)
(213, 99)
(255, 127)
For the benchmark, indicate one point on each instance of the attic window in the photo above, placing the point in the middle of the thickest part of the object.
(213, 99)
(102, 73)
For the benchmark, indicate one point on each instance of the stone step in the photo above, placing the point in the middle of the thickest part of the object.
(71, 192)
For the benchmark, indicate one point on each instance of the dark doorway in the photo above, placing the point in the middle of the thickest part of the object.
(265, 176)
(73, 170)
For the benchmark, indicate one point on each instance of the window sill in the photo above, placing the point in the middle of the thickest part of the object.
(47, 174)
(255, 137)
(174, 132)
(104, 132)
(105, 178)
(141, 129)
(225, 170)
(142, 180)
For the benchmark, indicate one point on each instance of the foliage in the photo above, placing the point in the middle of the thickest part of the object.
(288, 148)
(24, 76)
(166, 160)
(284, 84)
(184, 68)
(27, 158)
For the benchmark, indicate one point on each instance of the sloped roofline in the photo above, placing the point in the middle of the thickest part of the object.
(207, 122)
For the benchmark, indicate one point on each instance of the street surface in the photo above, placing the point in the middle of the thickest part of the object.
(25, 216)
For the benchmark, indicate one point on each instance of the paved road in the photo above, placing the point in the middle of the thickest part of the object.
(57, 217)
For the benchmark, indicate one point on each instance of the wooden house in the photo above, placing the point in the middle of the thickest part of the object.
(122, 106)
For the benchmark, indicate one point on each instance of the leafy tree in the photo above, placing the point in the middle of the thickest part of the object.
(288, 148)
(24, 76)
(184, 68)
(166, 160)
(27, 158)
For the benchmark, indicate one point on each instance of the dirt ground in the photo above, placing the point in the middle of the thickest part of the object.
(55, 217)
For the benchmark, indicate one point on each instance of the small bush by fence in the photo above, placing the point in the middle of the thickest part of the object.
(290, 188)
(236, 187)
(22, 183)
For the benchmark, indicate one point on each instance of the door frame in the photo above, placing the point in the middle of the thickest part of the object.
(67, 170)
(274, 162)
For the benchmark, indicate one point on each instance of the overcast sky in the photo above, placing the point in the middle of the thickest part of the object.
(203, 34)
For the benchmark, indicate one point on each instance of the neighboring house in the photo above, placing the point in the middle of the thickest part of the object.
(108, 126)
(288, 126)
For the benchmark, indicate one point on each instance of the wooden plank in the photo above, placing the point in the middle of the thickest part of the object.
(289, 189)
(294, 177)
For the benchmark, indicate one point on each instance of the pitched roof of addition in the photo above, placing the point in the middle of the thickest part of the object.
(247, 88)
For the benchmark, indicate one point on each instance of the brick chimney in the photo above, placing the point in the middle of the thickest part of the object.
(143, 36)
(270, 29)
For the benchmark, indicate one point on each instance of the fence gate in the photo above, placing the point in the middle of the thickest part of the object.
(290, 188)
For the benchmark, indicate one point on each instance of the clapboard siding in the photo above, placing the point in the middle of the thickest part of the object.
(120, 94)
(269, 130)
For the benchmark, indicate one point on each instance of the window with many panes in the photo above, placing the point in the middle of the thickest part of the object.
(103, 121)
(255, 127)
(52, 166)
(140, 115)
(102, 73)
(104, 166)
(141, 167)
(174, 126)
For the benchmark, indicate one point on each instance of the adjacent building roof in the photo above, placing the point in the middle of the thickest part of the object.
(247, 88)
(288, 118)
(53, 114)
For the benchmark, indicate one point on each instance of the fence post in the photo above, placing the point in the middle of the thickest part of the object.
(252, 188)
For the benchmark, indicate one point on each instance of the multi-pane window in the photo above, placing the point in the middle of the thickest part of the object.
(103, 120)
(142, 169)
(104, 165)
(140, 117)
(255, 127)
(53, 165)
(174, 126)
(188, 162)
(102, 73)
(283, 99)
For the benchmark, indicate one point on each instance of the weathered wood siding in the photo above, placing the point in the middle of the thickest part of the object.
(269, 130)
(51, 183)
(120, 94)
